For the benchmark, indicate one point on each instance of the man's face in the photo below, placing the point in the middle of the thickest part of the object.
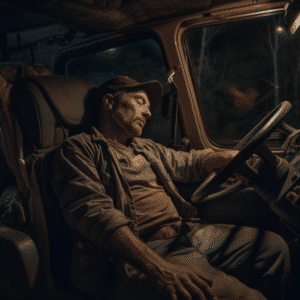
(131, 113)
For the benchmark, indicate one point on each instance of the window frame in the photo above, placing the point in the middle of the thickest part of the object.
(229, 16)
(101, 43)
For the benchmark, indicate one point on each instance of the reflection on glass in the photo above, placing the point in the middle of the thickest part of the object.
(243, 70)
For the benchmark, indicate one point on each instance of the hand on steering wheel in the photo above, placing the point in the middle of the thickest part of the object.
(250, 144)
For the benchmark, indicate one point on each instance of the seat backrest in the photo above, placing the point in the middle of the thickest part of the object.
(48, 110)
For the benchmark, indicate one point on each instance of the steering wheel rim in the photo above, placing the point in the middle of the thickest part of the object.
(247, 147)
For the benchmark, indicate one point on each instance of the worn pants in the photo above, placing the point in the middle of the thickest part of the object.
(241, 262)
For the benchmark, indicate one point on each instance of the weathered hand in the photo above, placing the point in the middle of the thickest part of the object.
(175, 281)
(181, 282)
(215, 161)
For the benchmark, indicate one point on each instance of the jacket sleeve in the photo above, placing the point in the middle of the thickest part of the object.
(82, 197)
(183, 166)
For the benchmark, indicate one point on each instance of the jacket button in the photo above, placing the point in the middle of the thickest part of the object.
(80, 245)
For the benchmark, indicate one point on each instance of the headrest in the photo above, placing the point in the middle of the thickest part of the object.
(67, 95)
(48, 106)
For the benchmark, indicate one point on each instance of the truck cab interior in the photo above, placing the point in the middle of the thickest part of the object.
(230, 75)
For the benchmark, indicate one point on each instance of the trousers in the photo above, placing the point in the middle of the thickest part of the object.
(241, 262)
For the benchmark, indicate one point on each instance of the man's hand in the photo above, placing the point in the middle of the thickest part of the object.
(172, 280)
(215, 161)
(180, 282)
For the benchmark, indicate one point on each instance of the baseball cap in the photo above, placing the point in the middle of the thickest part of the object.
(153, 88)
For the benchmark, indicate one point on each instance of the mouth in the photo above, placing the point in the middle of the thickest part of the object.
(141, 122)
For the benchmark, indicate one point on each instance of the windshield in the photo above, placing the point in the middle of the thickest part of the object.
(242, 70)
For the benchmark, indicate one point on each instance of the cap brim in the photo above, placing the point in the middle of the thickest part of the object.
(154, 92)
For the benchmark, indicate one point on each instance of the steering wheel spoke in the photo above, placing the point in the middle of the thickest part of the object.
(267, 155)
(249, 172)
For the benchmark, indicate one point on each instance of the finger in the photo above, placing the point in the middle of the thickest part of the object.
(203, 286)
(194, 291)
(170, 291)
(241, 178)
(184, 292)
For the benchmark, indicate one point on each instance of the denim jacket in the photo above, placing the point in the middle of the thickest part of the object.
(95, 199)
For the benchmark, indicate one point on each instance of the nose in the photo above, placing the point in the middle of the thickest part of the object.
(146, 112)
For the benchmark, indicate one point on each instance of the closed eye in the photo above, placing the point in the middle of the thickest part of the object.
(140, 100)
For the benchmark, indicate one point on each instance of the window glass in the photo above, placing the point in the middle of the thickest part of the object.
(242, 71)
(142, 61)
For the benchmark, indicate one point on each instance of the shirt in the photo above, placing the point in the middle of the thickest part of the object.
(154, 208)
(95, 198)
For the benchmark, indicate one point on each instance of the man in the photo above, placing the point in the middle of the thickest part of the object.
(135, 237)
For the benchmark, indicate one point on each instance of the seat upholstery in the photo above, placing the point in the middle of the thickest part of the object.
(19, 262)
(49, 108)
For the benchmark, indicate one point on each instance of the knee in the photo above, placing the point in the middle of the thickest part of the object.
(229, 287)
(277, 251)
(262, 242)
(275, 243)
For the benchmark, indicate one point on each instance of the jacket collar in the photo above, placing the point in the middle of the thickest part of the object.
(98, 137)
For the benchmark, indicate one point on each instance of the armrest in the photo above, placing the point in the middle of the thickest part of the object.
(19, 261)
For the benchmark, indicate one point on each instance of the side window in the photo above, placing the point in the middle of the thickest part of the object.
(242, 70)
(142, 61)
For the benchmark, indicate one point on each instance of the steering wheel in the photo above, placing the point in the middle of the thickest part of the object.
(250, 144)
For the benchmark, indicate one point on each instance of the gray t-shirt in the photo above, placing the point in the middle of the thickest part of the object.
(154, 206)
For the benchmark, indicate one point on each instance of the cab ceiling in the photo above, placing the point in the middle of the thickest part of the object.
(94, 16)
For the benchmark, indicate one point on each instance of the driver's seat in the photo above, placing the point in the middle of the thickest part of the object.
(48, 109)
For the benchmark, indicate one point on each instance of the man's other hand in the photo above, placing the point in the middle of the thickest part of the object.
(215, 161)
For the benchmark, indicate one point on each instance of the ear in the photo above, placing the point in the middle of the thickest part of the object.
(108, 101)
